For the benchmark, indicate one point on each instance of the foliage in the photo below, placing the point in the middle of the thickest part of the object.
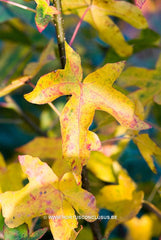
(82, 162)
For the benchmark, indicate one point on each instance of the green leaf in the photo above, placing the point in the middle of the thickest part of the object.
(147, 80)
(17, 233)
(98, 17)
(44, 14)
(96, 92)
(38, 234)
(46, 56)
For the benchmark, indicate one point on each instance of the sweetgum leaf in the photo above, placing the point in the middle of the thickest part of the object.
(122, 199)
(44, 14)
(96, 92)
(98, 17)
(139, 228)
(148, 81)
(11, 176)
(101, 166)
(43, 147)
(148, 149)
(46, 194)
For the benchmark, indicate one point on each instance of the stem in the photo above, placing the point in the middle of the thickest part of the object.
(54, 108)
(95, 226)
(58, 20)
(19, 5)
(155, 189)
(78, 26)
(152, 208)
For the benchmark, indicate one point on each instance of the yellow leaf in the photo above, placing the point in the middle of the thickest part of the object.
(86, 205)
(101, 166)
(121, 199)
(43, 147)
(139, 228)
(11, 176)
(46, 194)
(148, 149)
(63, 224)
(98, 17)
(96, 92)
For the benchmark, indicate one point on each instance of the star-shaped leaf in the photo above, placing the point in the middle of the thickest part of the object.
(46, 194)
(147, 80)
(96, 92)
(44, 14)
(98, 17)
(121, 199)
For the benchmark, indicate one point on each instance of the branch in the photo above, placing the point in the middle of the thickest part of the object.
(18, 5)
(58, 21)
(152, 208)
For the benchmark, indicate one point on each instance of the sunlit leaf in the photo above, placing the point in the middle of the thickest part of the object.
(122, 199)
(148, 149)
(45, 194)
(101, 166)
(11, 176)
(98, 17)
(139, 228)
(96, 92)
(44, 14)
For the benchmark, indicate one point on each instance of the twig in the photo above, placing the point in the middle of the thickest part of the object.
(18, 5)
(54, 108)
(155, 189)
(95, 226)
(152, 208)
(78, 26)
(58, 21)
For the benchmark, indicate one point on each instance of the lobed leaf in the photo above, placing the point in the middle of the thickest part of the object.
(148, 81)
(121, 199)
(46, 194)
(148, 149)
(96, 92)
(44, 14)
(98, 17)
